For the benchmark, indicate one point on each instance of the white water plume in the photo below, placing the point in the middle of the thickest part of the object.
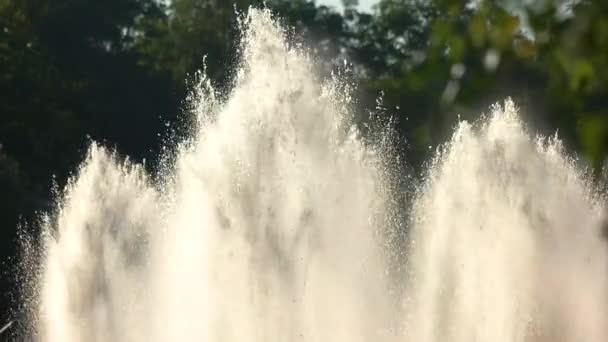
(272, 223)
(262, 230)
(507, 242)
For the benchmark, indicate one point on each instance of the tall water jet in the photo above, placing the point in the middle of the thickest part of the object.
(507, 241)
(263, 228)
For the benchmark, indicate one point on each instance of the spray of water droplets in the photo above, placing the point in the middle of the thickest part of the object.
(276, 221)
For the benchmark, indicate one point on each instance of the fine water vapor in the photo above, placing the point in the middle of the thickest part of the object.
(276, 220)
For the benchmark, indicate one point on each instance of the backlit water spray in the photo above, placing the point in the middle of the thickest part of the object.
(276, 221)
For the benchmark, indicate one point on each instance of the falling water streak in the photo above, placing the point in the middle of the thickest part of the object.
(5, 327)
(275, 221)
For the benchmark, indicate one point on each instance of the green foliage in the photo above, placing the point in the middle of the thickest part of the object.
(550, 58)
(176, 42)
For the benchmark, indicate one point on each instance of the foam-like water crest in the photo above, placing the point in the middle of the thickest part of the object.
(507, 241)
(276, 221)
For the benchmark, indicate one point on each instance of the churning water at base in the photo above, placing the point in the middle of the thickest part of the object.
(276, 222)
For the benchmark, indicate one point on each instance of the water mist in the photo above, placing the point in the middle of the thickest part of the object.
(276, 221)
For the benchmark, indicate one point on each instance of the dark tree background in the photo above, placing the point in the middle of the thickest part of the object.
(115, 71)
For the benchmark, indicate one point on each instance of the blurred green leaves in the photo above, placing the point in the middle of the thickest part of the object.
(551, 58)
(593, 133)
